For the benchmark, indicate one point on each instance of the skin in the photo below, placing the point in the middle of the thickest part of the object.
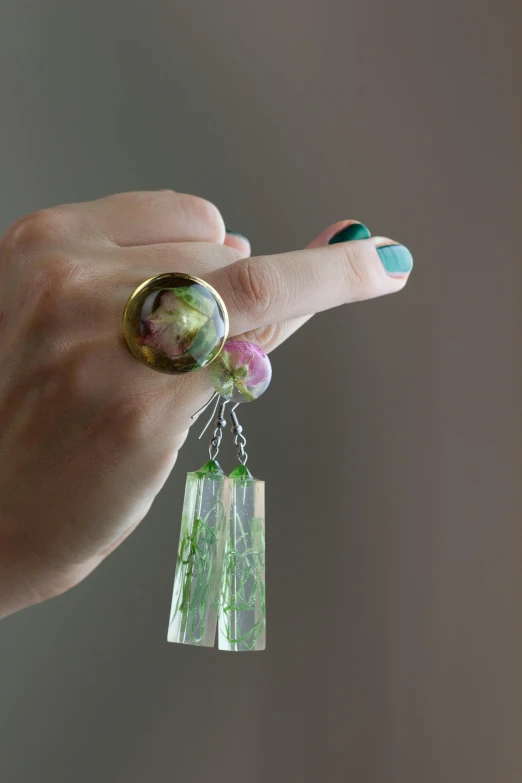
(88, 435)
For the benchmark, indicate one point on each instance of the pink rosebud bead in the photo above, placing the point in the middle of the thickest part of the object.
(241, 372)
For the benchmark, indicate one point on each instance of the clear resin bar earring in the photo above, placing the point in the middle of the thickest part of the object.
(199, 567)
(242, 607)
(220, 568)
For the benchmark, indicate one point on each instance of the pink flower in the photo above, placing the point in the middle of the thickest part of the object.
(244, 354)
(241, 372)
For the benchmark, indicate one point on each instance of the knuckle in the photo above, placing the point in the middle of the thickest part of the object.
(254, 286)
(34, 229)
(167, 193)
(144, 199)
(267, 337)
(167, 198)
(357, 273)
(201, 210)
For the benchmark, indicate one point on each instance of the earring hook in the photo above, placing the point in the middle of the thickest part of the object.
(215, 441)
(239, 438)
(205, 406)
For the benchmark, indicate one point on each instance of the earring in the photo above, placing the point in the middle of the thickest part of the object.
(199, 566)
(242, 607)
(220, 571)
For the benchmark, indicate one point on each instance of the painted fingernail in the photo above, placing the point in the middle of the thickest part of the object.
(235, 233)
(351, 232)
(396, 259)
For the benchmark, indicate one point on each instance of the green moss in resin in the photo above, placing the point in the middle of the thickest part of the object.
(242, 619)
(200, 553)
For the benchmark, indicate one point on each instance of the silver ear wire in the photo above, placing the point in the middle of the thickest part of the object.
(204, 407)
(211, 418)
(215, 441)
(239, 438)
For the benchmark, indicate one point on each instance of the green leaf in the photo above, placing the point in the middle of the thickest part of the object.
(205, 343)
(196, 297)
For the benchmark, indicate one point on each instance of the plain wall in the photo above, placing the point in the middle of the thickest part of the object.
(390, 439)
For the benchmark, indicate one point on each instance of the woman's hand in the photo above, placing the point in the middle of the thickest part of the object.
(88, 435)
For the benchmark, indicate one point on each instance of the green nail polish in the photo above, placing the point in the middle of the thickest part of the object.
(351, 232)
(235, 233)
(396, 259)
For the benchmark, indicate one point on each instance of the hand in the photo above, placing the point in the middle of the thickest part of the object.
(88, 435)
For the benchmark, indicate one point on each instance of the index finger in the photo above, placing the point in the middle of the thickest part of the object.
(267, 289)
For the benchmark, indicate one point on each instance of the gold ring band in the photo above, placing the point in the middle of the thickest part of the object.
(175, 323)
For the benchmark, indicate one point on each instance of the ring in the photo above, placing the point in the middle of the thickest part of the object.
(175, 323)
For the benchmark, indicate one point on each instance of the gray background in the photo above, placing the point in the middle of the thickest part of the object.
(391, 437)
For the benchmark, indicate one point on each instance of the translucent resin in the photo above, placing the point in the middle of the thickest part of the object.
(242, 611)
(241, 372)
(199, 567)
(175, 323)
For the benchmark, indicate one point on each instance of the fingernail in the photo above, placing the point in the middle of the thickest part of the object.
(235, 233)
(396, 259)
(351, 232)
